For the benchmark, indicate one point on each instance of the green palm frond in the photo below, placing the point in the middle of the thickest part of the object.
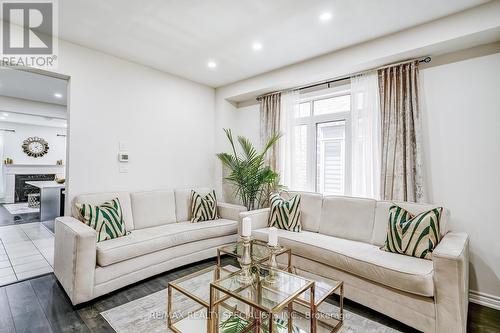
(236, 324)
(248, 173)
(271, 142)
(248, 149)
(233, 324)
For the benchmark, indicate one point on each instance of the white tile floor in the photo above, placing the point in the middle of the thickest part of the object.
(26, 250)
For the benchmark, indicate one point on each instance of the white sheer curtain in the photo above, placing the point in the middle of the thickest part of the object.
(365, 133)
(288, 105)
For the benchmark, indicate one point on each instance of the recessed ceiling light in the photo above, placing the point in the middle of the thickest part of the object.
(5, 114)
(211, 64)
(326, 16)
(256, 46)
(58, 95)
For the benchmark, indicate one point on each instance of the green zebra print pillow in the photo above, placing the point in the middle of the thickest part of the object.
(203, 208)
(106, 219)
(415, 236)
(285, 214)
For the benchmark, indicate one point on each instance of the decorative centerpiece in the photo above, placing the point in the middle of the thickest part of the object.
(273, 246)
(246, 258)
(60, 180)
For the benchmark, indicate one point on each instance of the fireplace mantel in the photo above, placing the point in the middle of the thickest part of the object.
(11, 170)
(31, 165)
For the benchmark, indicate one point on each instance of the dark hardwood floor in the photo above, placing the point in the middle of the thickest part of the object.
(41, 305)
(483, 319)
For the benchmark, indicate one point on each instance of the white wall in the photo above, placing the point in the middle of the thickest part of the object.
(12, 143)
(461, 123)
(167, 123)
(247, 123)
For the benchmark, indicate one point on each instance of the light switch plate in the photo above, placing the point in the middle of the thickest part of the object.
(123, 157)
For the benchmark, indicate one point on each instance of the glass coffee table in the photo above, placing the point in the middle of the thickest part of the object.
(259, 252)
(189, 302)
(329, 319)
(214, 300)
(265, 306)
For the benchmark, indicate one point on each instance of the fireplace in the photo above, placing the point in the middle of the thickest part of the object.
(22, 189)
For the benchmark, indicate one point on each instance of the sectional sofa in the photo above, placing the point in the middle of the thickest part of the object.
(160, 238)
(341, 239)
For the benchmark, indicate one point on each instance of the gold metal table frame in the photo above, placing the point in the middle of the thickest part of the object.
(310, 294)
(261, 311)
(176, 285)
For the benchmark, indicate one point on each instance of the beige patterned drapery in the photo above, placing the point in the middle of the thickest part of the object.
(401, 162)
(270, 110)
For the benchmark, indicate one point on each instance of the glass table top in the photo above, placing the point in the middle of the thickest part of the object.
(259, 250)
(323, 287)
(269, 296)
(197, 284)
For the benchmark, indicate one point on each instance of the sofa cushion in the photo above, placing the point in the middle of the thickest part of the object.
(349, 218)
(368, 261)
(99, 198)
(106, 219)
(285, 214)
(413, 235)
(183, 202)
(126, 272)
(143, 241)
(153, 208)
(310, 208)
(382, 218)
(203, 207)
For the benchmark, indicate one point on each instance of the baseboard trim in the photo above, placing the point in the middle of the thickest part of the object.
(488, 300)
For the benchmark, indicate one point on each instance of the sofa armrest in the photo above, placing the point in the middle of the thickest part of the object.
(259, 218)
(230, 211)
(451, 282)
(75, 258)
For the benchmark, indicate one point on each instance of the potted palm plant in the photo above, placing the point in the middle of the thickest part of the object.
(252, 179)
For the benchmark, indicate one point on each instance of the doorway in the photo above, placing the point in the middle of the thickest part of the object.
(33, 153)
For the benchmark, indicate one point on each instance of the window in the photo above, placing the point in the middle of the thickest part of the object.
(321, 143)
(330, 161)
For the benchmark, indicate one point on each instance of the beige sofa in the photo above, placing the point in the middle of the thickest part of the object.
(161, 238)
(341, 239)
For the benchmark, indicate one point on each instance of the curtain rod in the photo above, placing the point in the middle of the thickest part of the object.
(345, 77)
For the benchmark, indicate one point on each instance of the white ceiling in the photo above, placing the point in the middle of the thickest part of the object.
(31, 86)
(181, 36)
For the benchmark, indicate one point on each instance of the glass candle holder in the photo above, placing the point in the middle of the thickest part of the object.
(245, 261)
